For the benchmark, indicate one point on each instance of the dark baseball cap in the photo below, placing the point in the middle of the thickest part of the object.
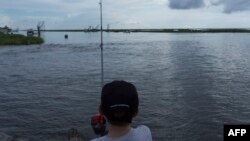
(119, 101)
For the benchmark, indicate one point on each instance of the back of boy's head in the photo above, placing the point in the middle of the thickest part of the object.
(119, 102)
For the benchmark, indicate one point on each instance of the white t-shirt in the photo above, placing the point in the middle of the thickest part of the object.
(141, 133)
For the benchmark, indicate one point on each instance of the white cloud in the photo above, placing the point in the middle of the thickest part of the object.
(5, 20)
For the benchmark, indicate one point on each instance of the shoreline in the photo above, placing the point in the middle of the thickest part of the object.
(177, 30)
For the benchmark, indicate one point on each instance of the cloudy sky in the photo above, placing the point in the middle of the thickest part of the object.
(73, 14)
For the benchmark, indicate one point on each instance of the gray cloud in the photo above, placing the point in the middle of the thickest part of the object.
(186, 4)
(231, 6)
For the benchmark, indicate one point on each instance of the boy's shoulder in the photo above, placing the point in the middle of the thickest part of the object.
(99, 139)
(142, 128)
(142, 132)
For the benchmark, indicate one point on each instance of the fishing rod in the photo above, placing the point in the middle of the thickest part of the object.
(101, 45)
(98, 122)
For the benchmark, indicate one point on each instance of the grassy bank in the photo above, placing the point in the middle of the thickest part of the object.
(16, 39)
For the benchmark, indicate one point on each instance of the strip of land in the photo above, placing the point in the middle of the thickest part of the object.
(182, 30)
(16, 39)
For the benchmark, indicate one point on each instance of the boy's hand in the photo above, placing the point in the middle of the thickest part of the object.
(98, 123)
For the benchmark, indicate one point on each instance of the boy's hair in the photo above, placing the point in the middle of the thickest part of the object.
(119, 102)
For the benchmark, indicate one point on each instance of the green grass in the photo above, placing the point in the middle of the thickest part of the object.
(16, 39)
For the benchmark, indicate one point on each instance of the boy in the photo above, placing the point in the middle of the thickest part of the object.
(119, 104)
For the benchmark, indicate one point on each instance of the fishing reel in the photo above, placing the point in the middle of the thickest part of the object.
(99, 124)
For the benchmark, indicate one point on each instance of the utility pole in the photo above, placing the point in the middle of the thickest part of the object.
(101, 45)
(108, 26)
(39, 31)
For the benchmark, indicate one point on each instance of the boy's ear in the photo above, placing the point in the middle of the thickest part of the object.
(100, 110)
(136, 113)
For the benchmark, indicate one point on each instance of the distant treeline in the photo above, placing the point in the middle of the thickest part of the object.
(183, 30)
(201, 30)
(16, 39)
